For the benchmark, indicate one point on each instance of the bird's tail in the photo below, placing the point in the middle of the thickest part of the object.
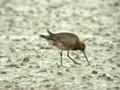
(50, 33)
(45, 37)
(51, 36)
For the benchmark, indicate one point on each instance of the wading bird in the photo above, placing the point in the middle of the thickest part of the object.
(65, 41)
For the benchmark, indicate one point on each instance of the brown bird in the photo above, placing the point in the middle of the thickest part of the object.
(65, 41)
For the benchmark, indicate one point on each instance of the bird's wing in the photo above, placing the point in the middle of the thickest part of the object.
(66, 40)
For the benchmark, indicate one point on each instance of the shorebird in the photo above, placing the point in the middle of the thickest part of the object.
(65, 41)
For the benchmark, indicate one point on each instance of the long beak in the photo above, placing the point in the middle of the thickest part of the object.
(86, 57)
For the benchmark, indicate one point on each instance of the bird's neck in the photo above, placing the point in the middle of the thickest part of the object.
(80, 45)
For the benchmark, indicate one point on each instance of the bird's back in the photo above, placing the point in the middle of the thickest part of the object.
(65, 40)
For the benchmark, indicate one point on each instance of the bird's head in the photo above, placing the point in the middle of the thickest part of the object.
(82, 47)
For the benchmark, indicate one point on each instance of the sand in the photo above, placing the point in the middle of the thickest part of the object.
(27, 62)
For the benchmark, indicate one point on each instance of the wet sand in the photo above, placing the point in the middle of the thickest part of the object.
(27, 62)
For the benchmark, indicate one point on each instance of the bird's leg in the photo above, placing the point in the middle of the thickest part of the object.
(61, 58)
(71, 58)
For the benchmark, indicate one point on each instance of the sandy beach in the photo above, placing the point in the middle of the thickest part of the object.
(27, 62)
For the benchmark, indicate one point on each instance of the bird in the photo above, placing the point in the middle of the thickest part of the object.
(66, 41)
